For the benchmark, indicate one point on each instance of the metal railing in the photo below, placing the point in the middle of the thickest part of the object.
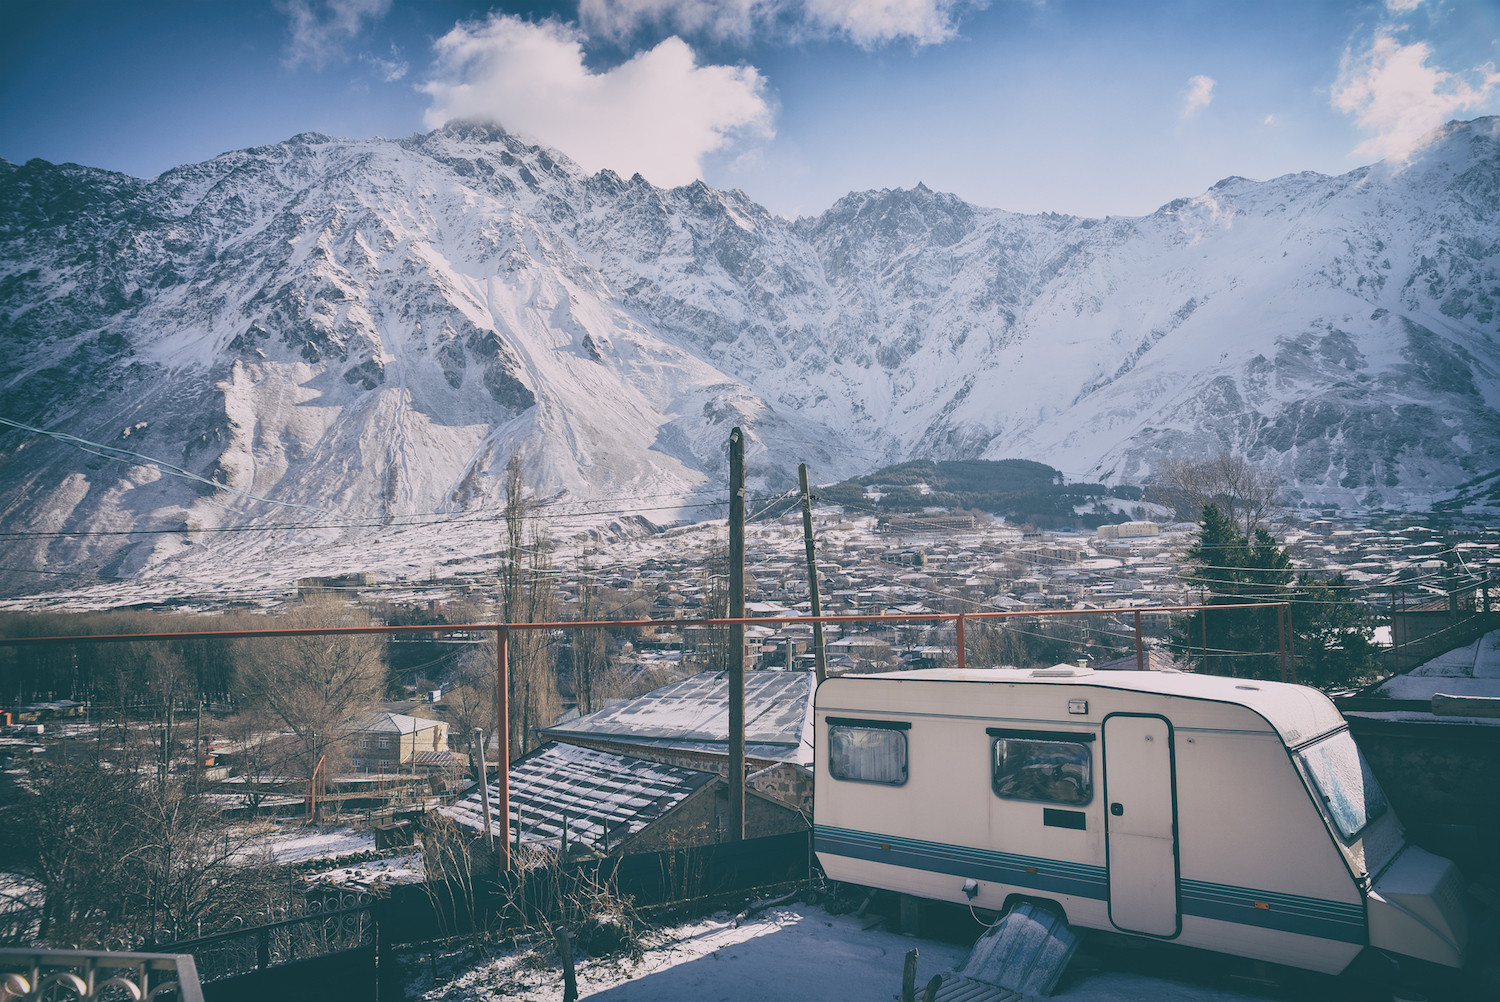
(316, 932)
(90, 975)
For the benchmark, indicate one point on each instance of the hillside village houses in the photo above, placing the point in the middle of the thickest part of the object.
(910, 566)
(588, 779)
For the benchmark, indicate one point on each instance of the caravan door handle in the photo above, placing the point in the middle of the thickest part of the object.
(1117, 809)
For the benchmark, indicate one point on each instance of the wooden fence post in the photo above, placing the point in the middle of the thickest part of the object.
(909, 977)
(565, 951)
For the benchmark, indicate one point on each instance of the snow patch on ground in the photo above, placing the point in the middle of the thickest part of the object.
(799, 951)
(298, 845)
(398, 868)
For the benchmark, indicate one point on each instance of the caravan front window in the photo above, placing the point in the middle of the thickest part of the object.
(867, 751)
(1342, 778)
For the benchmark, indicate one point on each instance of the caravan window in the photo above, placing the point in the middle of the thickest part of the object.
(867, 751)
(1342, 778)
(1051, 771)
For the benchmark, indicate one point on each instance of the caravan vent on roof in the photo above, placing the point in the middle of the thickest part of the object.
(1055, 672)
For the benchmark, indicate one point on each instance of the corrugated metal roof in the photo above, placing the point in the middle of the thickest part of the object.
(694, 715)
(586, 786)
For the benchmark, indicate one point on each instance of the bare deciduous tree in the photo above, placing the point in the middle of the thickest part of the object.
(122, 860)
(1249, 494)
(317, 685)
(591, 669)
(259, 750)
(469, 699)
(527, 595)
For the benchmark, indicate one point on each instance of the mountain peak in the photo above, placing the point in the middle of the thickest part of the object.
(373, 329)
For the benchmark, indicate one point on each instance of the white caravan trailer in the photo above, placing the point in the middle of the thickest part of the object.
(1220, 813)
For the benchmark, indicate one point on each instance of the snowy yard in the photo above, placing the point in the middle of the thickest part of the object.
(298, 844)
(794, 952)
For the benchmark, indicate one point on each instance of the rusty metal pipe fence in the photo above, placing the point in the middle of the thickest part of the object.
(502, 633)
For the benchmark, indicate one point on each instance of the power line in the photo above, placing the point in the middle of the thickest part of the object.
(383, 525)
(136, 459)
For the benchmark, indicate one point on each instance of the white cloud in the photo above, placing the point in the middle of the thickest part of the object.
(869, 22)
(659, 113)
(1390, 90)
(1270, 120)
(319, 31)
(1402, 6)
(1200, 94)
(865, 22)
(390, 70)
(620, 19)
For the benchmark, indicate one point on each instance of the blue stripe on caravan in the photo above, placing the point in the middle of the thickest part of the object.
(962, 861)
(1335, 920)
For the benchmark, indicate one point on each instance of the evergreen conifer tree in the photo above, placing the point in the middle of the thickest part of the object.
(1331, 638)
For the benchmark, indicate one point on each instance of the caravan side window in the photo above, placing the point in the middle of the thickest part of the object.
(867, 751)
(1045, 767)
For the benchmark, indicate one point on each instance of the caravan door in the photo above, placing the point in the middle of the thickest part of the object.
(1141, 824)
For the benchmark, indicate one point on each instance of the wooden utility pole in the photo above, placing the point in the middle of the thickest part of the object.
(1140, 647)
(737, 635)
(197, 747)
(820, 664)
(1449, 582)
(1291, 647)
(502, 730)
(484, 791)
(1283, 627)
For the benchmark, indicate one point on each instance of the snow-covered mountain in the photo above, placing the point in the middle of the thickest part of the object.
(369, 329)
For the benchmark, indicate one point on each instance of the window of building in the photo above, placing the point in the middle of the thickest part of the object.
(1052, 769)
(867, 751)
(1342, 779)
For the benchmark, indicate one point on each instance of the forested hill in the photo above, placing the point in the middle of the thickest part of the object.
(1021, 490)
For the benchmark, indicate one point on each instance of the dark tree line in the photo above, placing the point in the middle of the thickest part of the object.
(1017, 488)
(1332, 638)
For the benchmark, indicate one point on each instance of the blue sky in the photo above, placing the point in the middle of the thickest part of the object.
(1076, 106)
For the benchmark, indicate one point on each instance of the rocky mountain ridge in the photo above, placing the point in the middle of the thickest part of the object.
(368, 330)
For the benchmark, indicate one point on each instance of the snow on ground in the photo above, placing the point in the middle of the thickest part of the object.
(799, 951)
(297, 844)
(398, 868)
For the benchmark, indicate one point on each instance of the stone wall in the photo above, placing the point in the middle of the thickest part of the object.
(790, 784)
(702, 819)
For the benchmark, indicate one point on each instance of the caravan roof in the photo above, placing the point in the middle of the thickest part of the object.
(1297, 712)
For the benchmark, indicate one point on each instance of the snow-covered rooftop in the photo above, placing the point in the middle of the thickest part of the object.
(587, 788)
(385, 722)
(1471, 670)
(693, 715)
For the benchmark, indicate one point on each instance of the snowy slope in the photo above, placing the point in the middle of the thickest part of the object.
(370, 329)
